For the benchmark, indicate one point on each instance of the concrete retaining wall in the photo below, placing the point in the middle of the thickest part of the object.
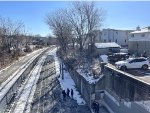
(124, 91)
(88, 91)
(124, 107)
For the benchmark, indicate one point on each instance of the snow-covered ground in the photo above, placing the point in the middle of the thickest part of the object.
(88, 77)
(34, 75)
(27, 92)
(68, 81)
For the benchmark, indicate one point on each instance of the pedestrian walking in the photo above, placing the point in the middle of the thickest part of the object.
(94, 106)
(64, 95)
(68, 91)
(71, 93)
(97, 107)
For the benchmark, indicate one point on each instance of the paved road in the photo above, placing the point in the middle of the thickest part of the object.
(10, 70)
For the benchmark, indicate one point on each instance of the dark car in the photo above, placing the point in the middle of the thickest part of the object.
(118, 56)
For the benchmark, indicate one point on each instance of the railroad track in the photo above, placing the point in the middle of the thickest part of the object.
(23, 98)
(46, 88)
(9, 89)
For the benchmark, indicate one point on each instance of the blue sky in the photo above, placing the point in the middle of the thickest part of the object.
(120, 15)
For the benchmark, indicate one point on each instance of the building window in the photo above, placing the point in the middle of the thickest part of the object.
(109, 40)
(104, 40)
(116, 41)
(116, 32)
(143, 35)
(132, 35)
(125, 40)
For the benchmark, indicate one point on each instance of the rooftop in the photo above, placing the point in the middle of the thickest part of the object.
(143, 30)
(119, 29)
(107, 45)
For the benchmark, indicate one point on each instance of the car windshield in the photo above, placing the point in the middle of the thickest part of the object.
(128, 60)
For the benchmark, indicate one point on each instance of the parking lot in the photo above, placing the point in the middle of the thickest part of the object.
(141, 74)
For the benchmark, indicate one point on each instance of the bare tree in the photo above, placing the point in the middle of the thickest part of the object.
(62, 29)
(85, 18)
(76, 24)
(10, 36)
(11, 32)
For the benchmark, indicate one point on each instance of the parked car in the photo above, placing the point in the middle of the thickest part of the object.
(140, 62)
(124, 50)
(117, 57)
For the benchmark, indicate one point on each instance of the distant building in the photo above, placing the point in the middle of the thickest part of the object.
(139, 41)
(105, 48)
(98, 35)
(113, 35)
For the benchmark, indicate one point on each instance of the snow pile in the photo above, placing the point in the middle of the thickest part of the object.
(88, 77)
(104, 58)
(67, 82)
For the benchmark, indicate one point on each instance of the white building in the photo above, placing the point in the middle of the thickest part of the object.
(98, 34)
(113, 35)
(139, 41)
(105, 48)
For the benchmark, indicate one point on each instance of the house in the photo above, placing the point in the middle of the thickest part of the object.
(139, 41)
(113, 35)
(105, 48)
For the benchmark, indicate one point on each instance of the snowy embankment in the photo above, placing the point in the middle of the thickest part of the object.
(67, 82)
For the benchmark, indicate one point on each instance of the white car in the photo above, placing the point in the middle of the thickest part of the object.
(140, 62)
